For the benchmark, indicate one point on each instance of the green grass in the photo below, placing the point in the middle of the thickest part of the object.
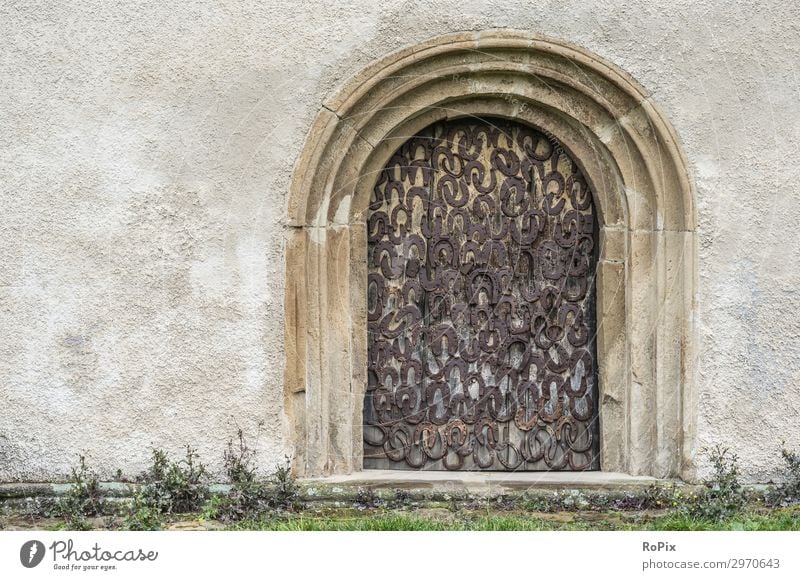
(391, 521)
(440, 517)
(396, 522)
(468, 520)
(777, 520)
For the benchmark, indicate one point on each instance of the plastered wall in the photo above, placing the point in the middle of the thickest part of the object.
(146, 152)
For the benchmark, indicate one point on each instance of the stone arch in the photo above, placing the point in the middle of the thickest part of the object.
(644, 198)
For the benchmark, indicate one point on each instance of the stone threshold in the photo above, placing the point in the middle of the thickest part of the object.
(485, 482)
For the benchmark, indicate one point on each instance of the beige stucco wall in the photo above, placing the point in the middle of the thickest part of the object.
(147, 153)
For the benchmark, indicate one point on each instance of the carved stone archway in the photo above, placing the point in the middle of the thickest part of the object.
(627, 151)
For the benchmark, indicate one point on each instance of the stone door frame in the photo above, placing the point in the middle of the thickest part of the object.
(644, 200)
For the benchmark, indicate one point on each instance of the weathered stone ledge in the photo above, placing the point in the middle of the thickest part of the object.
(422, 484)
(487, 482)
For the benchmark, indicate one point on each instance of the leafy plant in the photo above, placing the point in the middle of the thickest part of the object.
(251, 496)
(167, 487)
(142, 515)
(723, 496)
(175, 487)
(245, 496)
(82, 499)
(788, 492)
(211, 510)
(285, 490)
(240, 461)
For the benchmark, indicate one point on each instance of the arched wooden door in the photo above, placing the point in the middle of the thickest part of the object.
(481, 304)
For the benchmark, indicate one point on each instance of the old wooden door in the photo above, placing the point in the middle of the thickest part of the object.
(481, 307)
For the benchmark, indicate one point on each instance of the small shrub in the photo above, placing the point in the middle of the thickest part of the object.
(175, 487)
(240, 461)
(286, 493)
(167, 487)
(246, 494)
(250, 496)
(788, 492)
(82, 499)
(211, 510)
(723, 496)
(142, 515)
